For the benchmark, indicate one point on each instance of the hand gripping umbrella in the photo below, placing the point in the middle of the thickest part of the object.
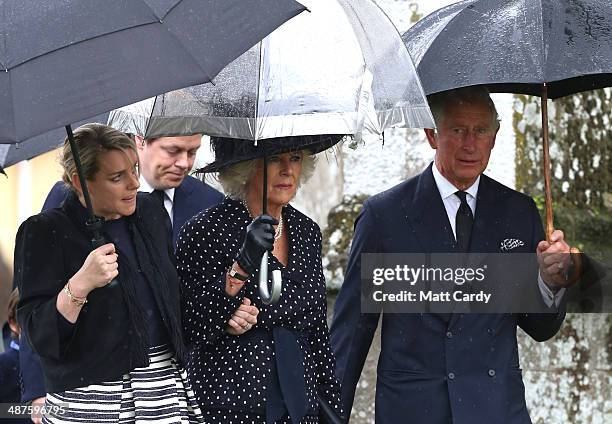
(340, 69)
(66, 60)
(537, 47)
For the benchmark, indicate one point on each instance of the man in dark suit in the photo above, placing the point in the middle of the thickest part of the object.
(449, 368)
(164, 165)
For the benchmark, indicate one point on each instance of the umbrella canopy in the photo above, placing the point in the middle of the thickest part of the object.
(135, 118)
(515, 46)
(539, 47)
(66, 60)
(340, 69)
(11, 154)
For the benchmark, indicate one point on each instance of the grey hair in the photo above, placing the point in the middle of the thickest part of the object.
(439, 101)
(234, 178)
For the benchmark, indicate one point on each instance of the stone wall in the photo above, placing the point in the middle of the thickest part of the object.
(569, 378)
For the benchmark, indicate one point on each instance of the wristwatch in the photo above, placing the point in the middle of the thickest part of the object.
(235, 274)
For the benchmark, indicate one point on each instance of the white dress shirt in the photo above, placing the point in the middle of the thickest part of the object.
(168, 198)
(451, 204)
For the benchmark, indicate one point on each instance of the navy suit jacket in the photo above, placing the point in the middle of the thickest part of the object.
(432, 370)
(9, 376)
(191, 197)
(9, 383)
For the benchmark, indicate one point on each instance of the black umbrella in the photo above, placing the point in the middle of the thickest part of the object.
(10, 154)
(547, 48)
(67, 60)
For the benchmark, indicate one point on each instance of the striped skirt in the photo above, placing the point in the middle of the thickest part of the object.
(159, 393)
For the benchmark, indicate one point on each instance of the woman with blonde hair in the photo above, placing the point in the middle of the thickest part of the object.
(260, 363)
(110, 352)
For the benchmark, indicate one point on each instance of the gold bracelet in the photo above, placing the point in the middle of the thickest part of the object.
(79, 301)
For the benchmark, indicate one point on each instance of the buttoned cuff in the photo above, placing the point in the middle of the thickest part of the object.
(549, 297)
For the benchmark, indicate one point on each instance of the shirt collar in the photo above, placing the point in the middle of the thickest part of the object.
(148, 188)
(447, 189)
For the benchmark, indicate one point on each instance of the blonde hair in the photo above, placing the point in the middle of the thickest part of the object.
(91, 141)
(234, 178)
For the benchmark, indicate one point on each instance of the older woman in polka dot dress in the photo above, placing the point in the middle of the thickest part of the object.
(256, 363)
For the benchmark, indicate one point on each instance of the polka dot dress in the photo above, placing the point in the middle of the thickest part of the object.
(229, 373)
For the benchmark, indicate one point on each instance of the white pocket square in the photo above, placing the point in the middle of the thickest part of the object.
(510, 243)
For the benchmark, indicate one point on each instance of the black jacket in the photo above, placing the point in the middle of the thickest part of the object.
(109, 337)
(190, 197)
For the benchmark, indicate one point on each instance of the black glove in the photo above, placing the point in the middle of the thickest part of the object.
(259, 238)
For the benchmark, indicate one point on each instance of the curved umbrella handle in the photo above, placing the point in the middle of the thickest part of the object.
(277, 282)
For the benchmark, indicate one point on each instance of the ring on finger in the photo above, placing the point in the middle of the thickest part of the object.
(560, 265)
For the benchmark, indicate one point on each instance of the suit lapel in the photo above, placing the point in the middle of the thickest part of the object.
(485, 232)
(181, 212)
(429, 221)
(427, 215)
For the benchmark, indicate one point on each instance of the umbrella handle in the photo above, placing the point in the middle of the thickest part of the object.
(277, 282)
(97, 241)
(546, 159)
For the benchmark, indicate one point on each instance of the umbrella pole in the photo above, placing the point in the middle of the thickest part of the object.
(266, 296)
(574, 251)
(264, 205)
(79, 167)
(547, 187)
